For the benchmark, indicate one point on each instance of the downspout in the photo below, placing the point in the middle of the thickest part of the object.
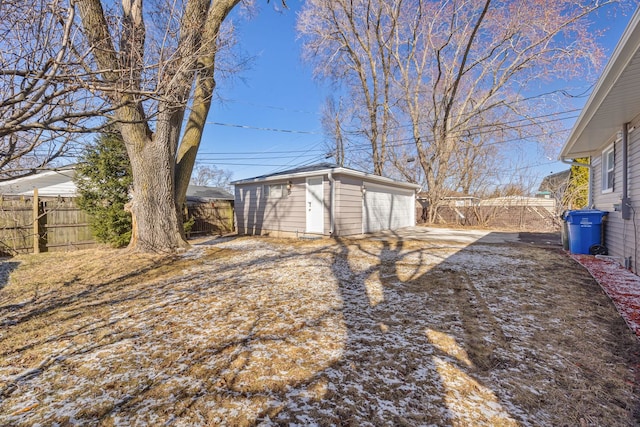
(626, 203)
(332, 200)
(584, 165)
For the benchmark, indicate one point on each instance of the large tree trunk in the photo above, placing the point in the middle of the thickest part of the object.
(157, 225)
(159, 185)
(203, 91)
(192, 137)
(157, 218)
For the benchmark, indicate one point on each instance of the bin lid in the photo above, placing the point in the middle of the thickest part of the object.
(582, 213)
(588, 211)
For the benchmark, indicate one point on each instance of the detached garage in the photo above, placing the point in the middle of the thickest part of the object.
(323, 199)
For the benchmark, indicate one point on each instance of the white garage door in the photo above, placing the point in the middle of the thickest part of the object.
(387, 208)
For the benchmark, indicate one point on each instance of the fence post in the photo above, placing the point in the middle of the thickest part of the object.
(36, 231)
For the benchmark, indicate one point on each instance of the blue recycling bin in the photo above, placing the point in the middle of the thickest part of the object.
(585, 229)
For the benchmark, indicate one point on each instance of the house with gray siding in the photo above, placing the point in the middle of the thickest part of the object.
(608, 132)
(322, 200)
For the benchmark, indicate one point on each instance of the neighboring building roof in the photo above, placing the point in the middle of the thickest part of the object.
(555, 181)
(321, 169)
(614, 100)
(201, 193)
(59, 182)
(56, 182)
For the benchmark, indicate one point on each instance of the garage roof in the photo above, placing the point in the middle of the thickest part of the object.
(614, 101)
(323, 169)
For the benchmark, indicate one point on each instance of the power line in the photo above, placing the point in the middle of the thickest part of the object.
(528, 121)
(305, 164)
(270, 107)
(216, 153)
(309, 157)
(250, 164)
(304, 132)
(215, 158)
(392, 142)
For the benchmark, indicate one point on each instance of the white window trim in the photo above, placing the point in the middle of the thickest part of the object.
(607, 187)
(269, 193)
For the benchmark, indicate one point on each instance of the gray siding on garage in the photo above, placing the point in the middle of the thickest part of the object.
(348, 206)
(257, 214)
(327, 204)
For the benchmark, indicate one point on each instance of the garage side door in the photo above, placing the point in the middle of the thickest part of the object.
(386, 208)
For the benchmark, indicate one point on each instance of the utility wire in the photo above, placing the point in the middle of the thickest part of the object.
(304, 132)
(309, 162)
(270, 107)
(212, 153)
(529, 121)
(214, 158)
(410, 140)
(308, 155)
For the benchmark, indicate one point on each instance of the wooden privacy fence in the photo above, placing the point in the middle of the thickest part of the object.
(47, 224)
(213, 217)
(33, 224)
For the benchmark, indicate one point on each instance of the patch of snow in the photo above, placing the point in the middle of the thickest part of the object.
(313, 335)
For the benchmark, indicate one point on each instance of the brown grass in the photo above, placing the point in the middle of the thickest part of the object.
(275, 331)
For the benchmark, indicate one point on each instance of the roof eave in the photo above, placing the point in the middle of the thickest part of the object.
(578, 144)
(338, 170)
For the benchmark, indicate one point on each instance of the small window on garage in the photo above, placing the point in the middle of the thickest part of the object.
(608, 169)
(274, 191)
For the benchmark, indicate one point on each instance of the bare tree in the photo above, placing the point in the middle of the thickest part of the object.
(333, 117)
(212, 176)
(156, 64)
(349, 40)
(462, 77)
(42, 102)
(148, 66)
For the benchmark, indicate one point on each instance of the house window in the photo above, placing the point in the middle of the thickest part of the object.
(275, 191)
(608, 163)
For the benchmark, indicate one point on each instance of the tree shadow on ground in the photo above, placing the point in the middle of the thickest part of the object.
(493, 334)
(422, 333)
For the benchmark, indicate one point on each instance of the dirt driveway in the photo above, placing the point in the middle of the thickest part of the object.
(451, 328)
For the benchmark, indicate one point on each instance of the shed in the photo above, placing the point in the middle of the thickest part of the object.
(211, 209)
(322, 199)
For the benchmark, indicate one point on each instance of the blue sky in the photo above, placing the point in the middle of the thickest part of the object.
(277, 100)
(269, 118)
